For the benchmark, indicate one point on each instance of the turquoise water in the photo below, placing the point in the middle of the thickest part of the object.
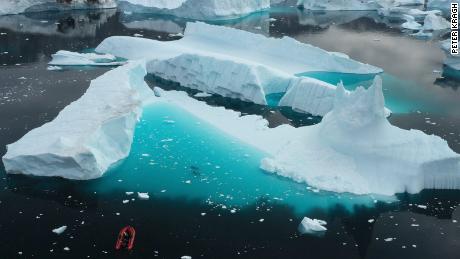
(401, 96)
(175, 155)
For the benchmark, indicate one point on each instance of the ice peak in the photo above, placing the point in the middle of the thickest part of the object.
(359, 108)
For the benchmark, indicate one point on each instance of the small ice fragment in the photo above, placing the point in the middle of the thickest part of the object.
(371, 220)
(138, 35)
(53, 68)
(388, 239)
(188, 182)
(203, 214)
(232, 211)
(261, 220)
(125, 201)
(414, 246)
(169, 121)
(422, 207)
(186, 257)
(145, 155)
(202, 95)
(163, 190)
(143, 195)
(59, 230)
(129, 193)
(66, 248)
(309, 226)
(414, 225)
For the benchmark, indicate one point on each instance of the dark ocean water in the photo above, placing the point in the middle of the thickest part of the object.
(171, 224)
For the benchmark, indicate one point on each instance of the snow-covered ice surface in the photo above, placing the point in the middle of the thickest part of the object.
(23, 6)
(311, 226)
(68, 58)
(208, 59)
(197, 9)
(89, 135)
(355, 149)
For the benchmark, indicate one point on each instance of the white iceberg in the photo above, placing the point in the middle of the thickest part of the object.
(208, 59)
(23, 6)
(90, 134)
(143, 195)
(197, 9)
(435, 22)
(68, 58)
(355, 149)
(311, 226)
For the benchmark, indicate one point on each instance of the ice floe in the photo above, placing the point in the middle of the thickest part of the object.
(22, 6)
(197, 9)
(68, 58)
(311, 226)
(90, 134)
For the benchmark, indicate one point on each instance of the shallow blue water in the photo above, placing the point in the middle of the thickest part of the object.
(401, 96)
(175, 155)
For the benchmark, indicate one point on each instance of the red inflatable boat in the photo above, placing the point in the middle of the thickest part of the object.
(126, 238)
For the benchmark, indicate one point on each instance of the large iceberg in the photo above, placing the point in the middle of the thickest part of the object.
(23, 6)
(208, 59)
(90, 134)
(197, 9)
(355, 149)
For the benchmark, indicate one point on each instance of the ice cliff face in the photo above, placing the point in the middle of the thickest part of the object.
(208, 58)
(22, 6)
(197, 9)
(90, 134)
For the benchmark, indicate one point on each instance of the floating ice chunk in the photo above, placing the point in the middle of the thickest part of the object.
(54, 68)
(286, 55)
(90, 134)
(435, 22)
(208, 59)
(68, 58)
(202, 94)
(59, 230)
(422, 207)
(185, 257)
(129, 193)
(410, 23)
(310, 226)
(143, 195)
